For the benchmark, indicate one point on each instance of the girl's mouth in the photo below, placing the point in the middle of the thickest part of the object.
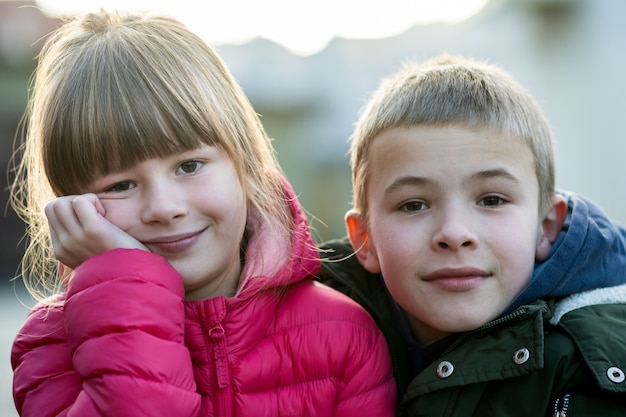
(173, 244)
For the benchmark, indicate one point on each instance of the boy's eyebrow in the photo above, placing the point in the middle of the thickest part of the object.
(482, 175)
(494, 173)
(408, 180)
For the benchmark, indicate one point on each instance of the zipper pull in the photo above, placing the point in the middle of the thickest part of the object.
(562, 410)
(222, 372)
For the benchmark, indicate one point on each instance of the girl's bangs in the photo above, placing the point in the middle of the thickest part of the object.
(126, 98)
(116, 131)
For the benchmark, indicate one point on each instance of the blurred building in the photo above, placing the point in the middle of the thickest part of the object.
(568, 53)
(22, 27)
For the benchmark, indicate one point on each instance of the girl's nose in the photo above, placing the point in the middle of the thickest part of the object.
(162, 204)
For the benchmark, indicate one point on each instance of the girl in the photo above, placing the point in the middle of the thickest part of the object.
(184, 283)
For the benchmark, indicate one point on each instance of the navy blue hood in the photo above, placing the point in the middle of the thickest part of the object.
(590, 252)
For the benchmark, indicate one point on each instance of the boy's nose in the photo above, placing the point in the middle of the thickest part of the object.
(445, 245)
(453, 231)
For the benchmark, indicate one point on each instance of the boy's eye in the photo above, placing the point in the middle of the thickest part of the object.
(188, 167)
(413, 205)
(121, 186)
(491, 200)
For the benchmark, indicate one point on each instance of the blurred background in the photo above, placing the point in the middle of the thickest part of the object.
(569, 53)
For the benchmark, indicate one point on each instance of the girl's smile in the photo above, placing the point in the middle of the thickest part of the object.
(174, 243)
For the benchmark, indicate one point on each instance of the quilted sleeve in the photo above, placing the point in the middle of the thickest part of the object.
(115, 348)
(367, 385)
(339, 352)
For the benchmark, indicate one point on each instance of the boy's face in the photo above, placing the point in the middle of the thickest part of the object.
(453, 224)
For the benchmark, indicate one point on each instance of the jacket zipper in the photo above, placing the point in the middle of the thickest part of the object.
(560, 408)
(222, 372)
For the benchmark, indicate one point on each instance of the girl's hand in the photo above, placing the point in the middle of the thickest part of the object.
(79, 229)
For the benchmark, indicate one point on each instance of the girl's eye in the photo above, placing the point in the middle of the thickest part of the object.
(413, 205)
(188, 167)
(121, 186)
(491, 200)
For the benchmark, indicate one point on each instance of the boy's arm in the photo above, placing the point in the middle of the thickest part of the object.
(115, 347)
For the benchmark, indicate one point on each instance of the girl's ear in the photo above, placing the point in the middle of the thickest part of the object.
(551, 226)
(359, 237)
(65, 273)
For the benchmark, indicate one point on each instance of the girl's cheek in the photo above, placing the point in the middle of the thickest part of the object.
(118, 214)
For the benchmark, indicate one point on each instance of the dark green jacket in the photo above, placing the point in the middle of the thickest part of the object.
(544, 356)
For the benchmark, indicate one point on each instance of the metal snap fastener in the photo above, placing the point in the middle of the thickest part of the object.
(444, 369)
(615, 374)
(521, 356)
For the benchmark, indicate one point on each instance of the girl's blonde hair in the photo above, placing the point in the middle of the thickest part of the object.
(452, 91)
(114, 89)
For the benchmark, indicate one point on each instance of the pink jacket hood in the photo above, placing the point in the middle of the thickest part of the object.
(271, 261)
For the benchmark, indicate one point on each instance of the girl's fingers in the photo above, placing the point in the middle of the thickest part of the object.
(73, 214)
(79, 229)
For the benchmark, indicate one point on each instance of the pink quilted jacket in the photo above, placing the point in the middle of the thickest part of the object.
(125, 343)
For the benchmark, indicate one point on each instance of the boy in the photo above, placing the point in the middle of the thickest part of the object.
(498, 295)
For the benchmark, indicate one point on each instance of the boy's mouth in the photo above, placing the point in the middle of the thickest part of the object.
(457, 279)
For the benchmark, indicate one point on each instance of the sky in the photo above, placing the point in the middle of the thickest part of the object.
(303, 27)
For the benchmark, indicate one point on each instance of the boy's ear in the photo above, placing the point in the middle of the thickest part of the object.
(359, 237)
(551, 226)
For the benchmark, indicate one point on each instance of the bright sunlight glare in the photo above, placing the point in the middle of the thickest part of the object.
(303, 27)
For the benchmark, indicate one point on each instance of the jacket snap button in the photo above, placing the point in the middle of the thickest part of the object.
(615, 374)
(521, 356)
(444, 369)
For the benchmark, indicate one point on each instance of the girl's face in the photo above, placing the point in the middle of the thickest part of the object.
(189, 208)
(453, 226)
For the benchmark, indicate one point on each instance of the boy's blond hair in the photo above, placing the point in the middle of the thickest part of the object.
(452, 91)
(114, 89)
